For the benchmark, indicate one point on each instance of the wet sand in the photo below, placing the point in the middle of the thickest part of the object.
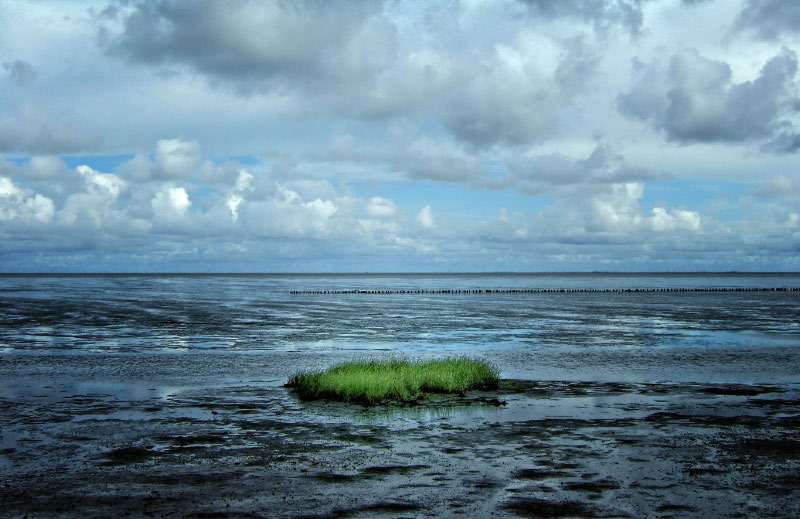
(530, 449)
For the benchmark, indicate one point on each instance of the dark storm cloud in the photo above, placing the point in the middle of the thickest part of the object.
(258, 41)
(698, 102)
(787, 142)
(21, 72)
(602, 14)
(768, 19)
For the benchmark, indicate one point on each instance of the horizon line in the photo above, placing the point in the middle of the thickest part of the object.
(402, 273)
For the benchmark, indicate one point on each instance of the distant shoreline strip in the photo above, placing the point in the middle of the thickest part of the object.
(542, 290)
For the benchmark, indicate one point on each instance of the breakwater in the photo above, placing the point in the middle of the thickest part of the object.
(542, 290)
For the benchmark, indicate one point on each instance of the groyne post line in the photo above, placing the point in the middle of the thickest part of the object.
(543, 290)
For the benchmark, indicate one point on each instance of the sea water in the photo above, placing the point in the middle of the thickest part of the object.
(137, 335)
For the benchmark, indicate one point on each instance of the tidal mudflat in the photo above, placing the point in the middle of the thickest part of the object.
(528, 449)
(162, 396)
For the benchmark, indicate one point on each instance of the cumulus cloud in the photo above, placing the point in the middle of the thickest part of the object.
(779, 186)
(431, 160)
(599, 224)
(787, 141)
(327, 104)
(449, 161)
(511, 93)
(22, 204)
(97, 207)
(288, 214)
(21, 72)
(363, 60)
(617, 210)
(171, 200)
(380, 208)
(256, 42)
(602, 14)
(243, 182)
(516, 113)
(322, 209)
(43, 168)
(769, 19)
(536, 174)
(407, 154)
(425, 217)
(28, 129)
(232, 204)
(235, 198)
(676, 219)
(609, 215)
(175, 157)
(103, 184)
(606, 218)
(578, 65)
(694, 99)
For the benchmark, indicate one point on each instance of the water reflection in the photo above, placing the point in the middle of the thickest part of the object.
(660, 336)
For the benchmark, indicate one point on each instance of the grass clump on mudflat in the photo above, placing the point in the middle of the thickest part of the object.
(403, 380)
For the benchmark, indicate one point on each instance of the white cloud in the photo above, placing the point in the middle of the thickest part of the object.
(98, 207)
(19, 203)
(676, 219)
(235, 199)
(243, 182)
(44, 167)
(287, 214)
(288, 195)
(40, 207)
(321, 209)
(380, 208)
(425, 217)
(105, 184)
(233, 203)
(175, 158)
(171, 200)
(8, 189)
(617, 210)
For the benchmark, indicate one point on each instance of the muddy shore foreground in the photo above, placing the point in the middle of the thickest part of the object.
(550, 449)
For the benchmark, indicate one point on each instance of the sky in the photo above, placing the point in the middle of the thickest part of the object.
(399, 136)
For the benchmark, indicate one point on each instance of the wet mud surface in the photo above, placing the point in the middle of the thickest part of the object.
(531, 449)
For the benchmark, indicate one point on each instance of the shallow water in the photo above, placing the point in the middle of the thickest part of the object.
(205, 330)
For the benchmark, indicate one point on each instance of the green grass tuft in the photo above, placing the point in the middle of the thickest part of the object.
(372, 381)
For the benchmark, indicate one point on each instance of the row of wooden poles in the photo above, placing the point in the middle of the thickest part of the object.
(544, 290)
